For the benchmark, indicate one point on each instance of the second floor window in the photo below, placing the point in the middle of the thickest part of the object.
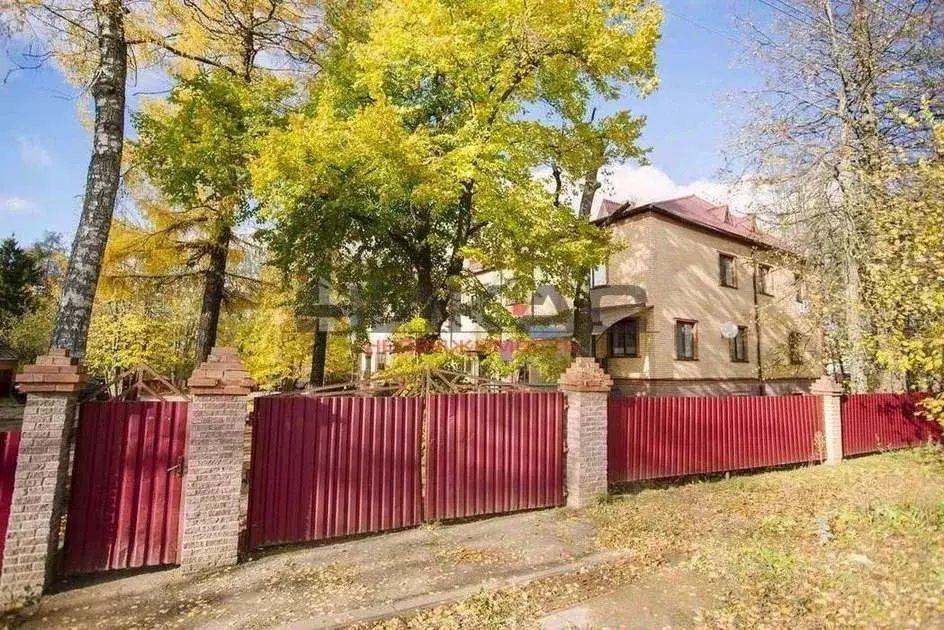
(738, 346)
(795, 348)
(598, 276)
(800, 287)
(727, 272)
(624, 338)
(686, 342)
(764, 280)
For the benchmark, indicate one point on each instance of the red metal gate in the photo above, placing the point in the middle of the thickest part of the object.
(9, 445)
(329, 467)
(491, 453)
(873, 422)
(651, 438)
(124, 510)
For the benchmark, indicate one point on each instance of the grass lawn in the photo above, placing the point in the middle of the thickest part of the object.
(857, 545)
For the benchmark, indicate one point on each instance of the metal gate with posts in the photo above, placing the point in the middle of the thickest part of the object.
(327, 463)
(127, 483)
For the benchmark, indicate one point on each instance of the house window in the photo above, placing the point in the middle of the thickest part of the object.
(738, 346)
(624, 338)
(800, 287)
(598, 276)
(764, 280)
(686, 341)
(794, 348)
(727, 272)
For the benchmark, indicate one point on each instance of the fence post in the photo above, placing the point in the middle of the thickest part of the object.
(218, 414)
(587, 388)
(830, 393)
(42, 473)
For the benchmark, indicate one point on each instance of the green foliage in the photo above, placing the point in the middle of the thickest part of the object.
(418, 148)
(195, 148)
(906, 291)
(29, 332)
(153, 328)
(19, 278)
(276, 344)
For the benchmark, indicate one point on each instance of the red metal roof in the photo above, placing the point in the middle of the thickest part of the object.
(695, 210)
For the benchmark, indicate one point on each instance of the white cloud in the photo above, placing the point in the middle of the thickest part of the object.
(645, 184)
(32, 151)
(16, 205)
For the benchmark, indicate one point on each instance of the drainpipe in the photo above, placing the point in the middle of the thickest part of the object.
(760, 362)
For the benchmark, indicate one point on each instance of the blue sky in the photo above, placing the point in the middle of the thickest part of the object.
(44, 146)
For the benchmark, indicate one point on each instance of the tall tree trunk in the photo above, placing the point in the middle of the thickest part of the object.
(213, 284)
(101, 187)
(319, 352)
(583, 308)
(432, 307)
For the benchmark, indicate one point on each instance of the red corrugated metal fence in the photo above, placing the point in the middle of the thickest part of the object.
(651, 438)
(9, 446)
(491, 453)
(875, 422)
(124, 509)
(328, 467)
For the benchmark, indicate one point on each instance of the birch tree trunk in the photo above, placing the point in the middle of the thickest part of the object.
(104, 172)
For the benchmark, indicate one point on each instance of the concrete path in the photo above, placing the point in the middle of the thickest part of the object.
(669, 598)
(328, 584)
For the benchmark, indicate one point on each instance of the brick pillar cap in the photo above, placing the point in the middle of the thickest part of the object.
(826, 385)
(221, 374)
(585, 375)
(55, 372)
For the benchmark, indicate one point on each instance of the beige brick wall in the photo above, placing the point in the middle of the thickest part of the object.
(213, 481)
(586, 447)
(678, 267)
(38, 495)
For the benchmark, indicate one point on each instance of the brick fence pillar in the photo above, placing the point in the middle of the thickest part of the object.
(587, 388)
(218, 416)
(42, 473)
(830, 393)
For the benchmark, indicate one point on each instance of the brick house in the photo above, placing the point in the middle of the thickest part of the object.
(700, 301)
(664, 303)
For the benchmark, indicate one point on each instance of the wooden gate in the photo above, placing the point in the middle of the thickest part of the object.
(124, 510)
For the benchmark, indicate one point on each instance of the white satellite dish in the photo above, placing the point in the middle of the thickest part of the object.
(729, 330)
(803, 307)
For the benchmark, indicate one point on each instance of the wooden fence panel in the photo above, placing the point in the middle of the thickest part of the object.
(652, 438)
(329, 467)
(494, 452)
(875, 422)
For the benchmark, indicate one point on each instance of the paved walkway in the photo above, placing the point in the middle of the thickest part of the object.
(668, 598)
(328, 584)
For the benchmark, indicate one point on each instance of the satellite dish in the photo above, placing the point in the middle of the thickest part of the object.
(803, 307)
(729, 330)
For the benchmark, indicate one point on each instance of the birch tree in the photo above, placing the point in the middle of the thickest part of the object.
(840, 77)
(89, 40)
